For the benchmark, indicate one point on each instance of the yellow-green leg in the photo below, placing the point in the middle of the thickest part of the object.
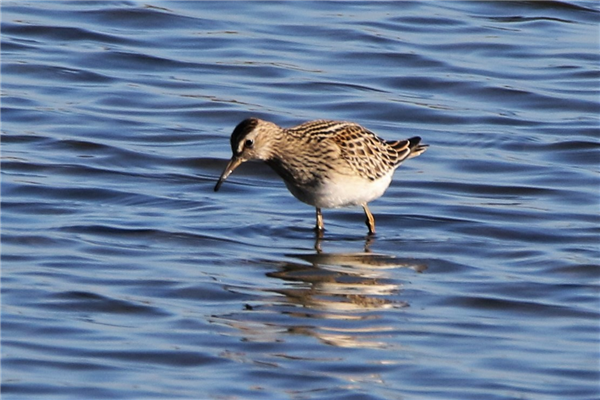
(370, 220)
(320, 227)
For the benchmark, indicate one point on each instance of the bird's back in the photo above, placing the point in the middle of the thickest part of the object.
(361, 150)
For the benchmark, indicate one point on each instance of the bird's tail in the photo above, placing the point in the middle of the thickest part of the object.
(408, 148)
(415, 146)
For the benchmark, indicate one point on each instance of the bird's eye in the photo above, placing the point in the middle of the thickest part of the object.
(249, 143)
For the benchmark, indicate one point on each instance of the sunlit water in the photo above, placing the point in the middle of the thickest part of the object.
(125, 276)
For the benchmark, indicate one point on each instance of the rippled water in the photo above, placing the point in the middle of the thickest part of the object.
(125, 276)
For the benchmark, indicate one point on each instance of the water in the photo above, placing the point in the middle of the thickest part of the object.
(125, 276)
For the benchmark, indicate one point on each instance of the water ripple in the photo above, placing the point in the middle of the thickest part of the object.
(125, 276)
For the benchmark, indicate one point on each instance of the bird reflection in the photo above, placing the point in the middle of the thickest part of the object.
(332, 282)
(339, 298)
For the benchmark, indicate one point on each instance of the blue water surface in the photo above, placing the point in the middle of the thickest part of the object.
(124, 275)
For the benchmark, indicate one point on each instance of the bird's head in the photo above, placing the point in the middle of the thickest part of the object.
(252, 139)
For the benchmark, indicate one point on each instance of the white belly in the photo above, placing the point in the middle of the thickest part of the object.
(343, 192)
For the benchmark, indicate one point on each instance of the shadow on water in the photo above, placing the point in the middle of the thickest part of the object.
(340, 298)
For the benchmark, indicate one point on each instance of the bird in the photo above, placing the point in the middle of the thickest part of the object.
(323, 163)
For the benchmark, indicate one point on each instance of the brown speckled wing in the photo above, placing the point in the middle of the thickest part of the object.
(369, 155)
(352, 148)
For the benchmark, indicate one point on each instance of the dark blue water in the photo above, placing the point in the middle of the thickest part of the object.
(125, 276)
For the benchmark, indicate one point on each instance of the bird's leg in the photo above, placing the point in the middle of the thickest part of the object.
(368, 242)
(318, 240)
(370, 220)
(320, 227)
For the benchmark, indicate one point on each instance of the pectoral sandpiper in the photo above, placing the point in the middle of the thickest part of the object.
(327, 164)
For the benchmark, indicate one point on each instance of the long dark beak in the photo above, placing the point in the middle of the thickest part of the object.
(233, 164)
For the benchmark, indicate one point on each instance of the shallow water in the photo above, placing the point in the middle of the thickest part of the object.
(125, 276)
